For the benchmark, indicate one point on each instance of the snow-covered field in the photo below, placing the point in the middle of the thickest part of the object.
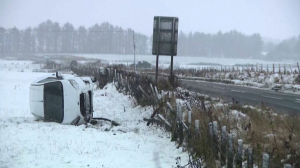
(25, 142)
(11, 65)
(179, 61)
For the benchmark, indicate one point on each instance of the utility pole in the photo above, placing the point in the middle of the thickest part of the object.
(134, 51)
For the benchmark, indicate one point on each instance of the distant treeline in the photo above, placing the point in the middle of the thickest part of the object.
(50, 37)
(286, 50)
(232, 44)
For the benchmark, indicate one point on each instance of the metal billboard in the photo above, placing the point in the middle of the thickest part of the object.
(165, 36)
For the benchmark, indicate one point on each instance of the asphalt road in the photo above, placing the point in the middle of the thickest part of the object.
(280, 102)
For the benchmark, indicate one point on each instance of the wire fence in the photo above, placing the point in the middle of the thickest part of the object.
(209, 143)
(263, 68)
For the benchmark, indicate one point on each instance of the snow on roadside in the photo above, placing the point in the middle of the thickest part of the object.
(283, 82)
(25, 142)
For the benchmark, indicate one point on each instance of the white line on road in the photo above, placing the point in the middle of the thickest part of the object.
(297, 100)
(237, 91)
(218, 87)
(273, 97)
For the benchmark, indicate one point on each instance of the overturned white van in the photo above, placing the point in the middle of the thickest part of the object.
(65, 99)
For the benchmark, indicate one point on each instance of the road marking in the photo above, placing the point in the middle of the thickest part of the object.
(273, 97)
(217, 87)
(237, 91)
(297, 100)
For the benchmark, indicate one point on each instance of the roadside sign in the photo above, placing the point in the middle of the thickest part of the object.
(165, 36)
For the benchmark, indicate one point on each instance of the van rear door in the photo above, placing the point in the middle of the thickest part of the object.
(37, 100)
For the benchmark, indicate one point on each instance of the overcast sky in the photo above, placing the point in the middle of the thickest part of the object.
(278, 19)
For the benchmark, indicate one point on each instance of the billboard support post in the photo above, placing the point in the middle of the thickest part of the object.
(156, 72)
(171, 68)
(157, 52)
(171, 72)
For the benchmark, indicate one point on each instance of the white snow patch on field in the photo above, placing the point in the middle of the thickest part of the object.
(18, 66)
(25, 142)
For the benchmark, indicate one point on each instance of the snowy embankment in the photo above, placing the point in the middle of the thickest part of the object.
(25, 142)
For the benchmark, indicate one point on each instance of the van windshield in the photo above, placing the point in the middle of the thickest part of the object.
(53, 102)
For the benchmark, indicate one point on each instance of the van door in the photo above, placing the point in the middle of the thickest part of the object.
(37, 100)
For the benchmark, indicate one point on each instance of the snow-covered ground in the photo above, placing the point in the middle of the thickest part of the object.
(25, 142)
(179, 61)
(12, 65)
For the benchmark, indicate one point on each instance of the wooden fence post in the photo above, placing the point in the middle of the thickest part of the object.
(256, 67)
(179, 122)
(261, 67)
(284, 68)
(156, 91)
(267, 67)
(273, 68)
(215, 138)
(162, 95)
(121, 78)
(279, 69)
(179, 111)
(170, 107)
(170, 94)
(230, 152)
(239, 158)
(223, 146)
(250, 158)
(265, 163)
(190, 118)
(144, 93)
(252, 68)
(188, 106)
(153, 93)
(165, 121)
(197, 127)
(210, 129)
(298, 68)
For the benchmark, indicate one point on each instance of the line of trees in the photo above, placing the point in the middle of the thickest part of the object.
(232, 44)
(286, 50)
(50, 37)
